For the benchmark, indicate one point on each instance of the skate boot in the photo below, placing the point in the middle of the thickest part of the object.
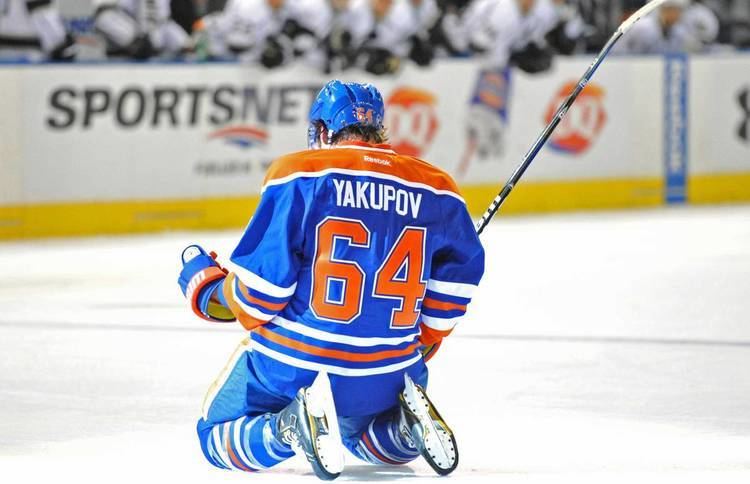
(310, 425)
(422, 425)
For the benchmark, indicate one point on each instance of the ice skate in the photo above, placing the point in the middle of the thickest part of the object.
(310, 425)
(424, 427)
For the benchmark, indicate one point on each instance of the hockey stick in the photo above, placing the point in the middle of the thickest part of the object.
(562, 111)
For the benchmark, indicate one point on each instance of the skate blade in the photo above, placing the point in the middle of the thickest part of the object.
(439, 446)
(320, 406)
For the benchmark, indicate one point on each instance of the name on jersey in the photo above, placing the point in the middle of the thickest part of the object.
(377, 196)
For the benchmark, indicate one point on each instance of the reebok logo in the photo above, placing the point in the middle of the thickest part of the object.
(744, 129)
(379, 161)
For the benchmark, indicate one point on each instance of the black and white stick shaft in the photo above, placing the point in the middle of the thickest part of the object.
(561, 111)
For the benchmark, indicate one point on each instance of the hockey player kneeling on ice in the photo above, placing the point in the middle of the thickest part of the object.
(357, 263)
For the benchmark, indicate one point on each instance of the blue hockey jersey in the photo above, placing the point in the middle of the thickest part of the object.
(353, 252)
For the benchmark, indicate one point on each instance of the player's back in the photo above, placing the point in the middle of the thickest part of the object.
(360, 246)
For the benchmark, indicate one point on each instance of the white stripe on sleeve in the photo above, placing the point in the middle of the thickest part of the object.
(456, 289)
(249, 309)
(439, 324)
(254, 281)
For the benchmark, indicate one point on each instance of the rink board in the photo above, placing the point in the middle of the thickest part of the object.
(91, 218)
(719, 129)
(130, 148)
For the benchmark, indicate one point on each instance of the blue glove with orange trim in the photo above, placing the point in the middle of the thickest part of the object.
(201, 275)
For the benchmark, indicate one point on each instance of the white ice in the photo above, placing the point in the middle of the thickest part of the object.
(604, 348)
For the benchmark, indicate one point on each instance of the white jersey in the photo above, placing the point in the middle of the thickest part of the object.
(689, 34)
(391, 33)
(703, 23)
(316, 17)
(30, 30)
(244, 26)
(426, 13)
(123, 21)
(498, 27)
(453, 27)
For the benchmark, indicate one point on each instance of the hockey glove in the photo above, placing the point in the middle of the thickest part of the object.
(381, 61)
(421, 51)
(533, 58)
(294, 29)
(428, 351)
(431, 340)
(273, 54)
(66, 51)
(142, 48)
(200, 277)
(558, 39)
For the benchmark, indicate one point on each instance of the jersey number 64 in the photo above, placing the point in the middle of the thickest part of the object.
(400, 276)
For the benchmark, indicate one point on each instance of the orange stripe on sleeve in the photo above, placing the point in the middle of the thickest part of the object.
(276, 307)
(330, 353)
(442, 305)
(248, 322)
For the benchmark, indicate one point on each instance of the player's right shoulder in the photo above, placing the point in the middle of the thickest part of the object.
(428, 174)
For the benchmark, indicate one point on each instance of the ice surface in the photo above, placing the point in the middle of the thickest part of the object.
(601, 348)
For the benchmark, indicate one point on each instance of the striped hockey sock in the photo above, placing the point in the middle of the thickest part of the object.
(246, 444)
(382, 443)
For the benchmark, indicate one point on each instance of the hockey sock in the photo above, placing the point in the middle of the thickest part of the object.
(246, 444)
(383, 443)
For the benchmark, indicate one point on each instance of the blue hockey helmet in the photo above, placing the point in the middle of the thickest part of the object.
(342, 104)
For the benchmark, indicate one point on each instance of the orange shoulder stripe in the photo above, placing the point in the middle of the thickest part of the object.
(335, 354)
(361, 158)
